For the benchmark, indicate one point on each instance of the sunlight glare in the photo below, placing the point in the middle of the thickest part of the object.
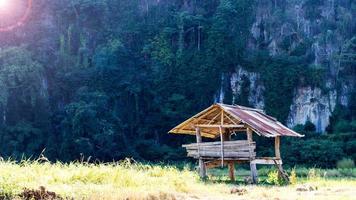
(4, 4)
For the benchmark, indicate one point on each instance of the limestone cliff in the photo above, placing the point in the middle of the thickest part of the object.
(323, 27)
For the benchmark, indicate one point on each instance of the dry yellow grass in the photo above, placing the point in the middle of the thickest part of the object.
(127, 180)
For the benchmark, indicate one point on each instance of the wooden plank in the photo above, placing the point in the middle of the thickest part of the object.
(277, 147)
(216, 162)
(217, 143)
(237, 145)
(227, 116)
(226, 143)
(226, 149)
(239, 160)
(213, 163)
(217, 148)
(196, 117)
(218, 154)
(218, 126)
(191, 132)
(214, 118)
(266, 162)
(268, 158)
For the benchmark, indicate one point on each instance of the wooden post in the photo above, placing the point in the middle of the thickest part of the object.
(249, 134)
(254, 174)
(277, 142)
(253, 167)
(202, 169)
(221, 146)
(249, 139)
(230, 164)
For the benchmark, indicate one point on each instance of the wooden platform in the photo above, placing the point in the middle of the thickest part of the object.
(228, 153)
(227, 150)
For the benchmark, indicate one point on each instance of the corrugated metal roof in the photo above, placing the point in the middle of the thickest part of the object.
(255, 119)
(260, 122)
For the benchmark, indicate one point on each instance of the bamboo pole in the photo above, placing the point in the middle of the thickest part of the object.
(221, 146)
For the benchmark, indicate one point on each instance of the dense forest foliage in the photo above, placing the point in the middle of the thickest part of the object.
(107, 79)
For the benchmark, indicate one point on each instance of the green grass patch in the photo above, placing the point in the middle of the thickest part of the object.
(131, 180)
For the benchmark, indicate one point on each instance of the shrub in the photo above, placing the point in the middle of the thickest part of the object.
(309, 126)
(274, 179)
(345, 163)
(313, 174)
(318, 152)
(293, 177)
(332, 173)
(343, 126)
(353, 125)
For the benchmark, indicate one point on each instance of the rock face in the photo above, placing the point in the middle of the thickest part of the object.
(242, 78)
(281, 27)
(310, 104)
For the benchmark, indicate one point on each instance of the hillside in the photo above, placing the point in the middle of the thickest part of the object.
(107, 79)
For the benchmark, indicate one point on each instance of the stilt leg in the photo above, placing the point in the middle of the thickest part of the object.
(202, 169)
(231, 167)
(254, 175)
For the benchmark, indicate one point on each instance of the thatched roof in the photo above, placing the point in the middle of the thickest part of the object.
(235, 118)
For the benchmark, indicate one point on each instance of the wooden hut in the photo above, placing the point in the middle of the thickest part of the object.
(221, 121)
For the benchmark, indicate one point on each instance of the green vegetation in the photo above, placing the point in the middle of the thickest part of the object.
(130, 180)
(345, 163)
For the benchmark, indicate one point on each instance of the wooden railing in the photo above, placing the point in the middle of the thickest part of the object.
(239, 149)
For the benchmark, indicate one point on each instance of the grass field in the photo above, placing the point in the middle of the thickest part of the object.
(127, 180)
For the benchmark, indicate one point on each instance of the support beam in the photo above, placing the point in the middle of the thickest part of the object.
(221, 146)
(250, 140)
(254, 174)
(266, 161)
(202, 168)
(230, 164)
(249, 134)
(277, 142)
(227, 116)
(281, 172)
(213, 119)
(253, 168)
